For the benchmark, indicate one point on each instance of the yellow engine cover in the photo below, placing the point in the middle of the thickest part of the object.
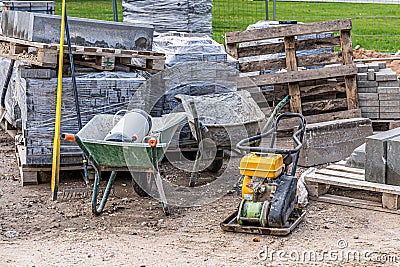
(265, 166)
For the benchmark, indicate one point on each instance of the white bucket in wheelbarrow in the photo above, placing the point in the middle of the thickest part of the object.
(229, 117)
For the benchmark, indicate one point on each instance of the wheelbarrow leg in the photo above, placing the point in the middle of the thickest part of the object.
(196, 121)
(95, 210)
(158, 181)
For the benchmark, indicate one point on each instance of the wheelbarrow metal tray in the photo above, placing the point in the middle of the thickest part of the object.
(229, 117)
(108, 155)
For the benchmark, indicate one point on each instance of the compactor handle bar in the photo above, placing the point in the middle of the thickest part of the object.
(297, 137)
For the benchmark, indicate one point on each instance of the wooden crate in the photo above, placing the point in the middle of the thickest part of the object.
(319, 182)
(327, 83)
(46, 55)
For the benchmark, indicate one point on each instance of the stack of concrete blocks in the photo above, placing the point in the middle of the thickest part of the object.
(333, 140)
(378, 91)
(192, 16)
(34, 96)
(44, 28)
(181, 47)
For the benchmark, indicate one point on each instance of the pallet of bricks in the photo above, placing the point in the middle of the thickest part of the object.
(30, 98)
(379, 94)
(300, 60)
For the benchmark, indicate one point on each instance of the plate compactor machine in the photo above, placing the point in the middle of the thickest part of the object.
(269, 184)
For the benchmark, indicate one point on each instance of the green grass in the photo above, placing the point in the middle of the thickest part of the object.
(375, 26)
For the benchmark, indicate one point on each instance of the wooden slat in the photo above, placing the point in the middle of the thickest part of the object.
(357, 203)
(322, 89)
(303, 61)
(256, 50)
(350, 81)
(298, 76)
(351, 183)
(287, 30)
(324, 105)
(291, 66)
(340, 173)
(337, 167)
(306, 91)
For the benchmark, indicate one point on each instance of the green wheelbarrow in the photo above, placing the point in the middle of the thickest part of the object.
(141, 159)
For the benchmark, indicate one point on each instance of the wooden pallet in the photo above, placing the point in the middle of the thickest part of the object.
(319, 182)
(46, 55)
(313, 91)
(35, 174)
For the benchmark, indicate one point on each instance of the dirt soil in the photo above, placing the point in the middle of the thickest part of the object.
(133, 231)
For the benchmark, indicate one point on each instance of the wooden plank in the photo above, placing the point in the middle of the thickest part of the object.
(351, 183)
(287, 30)
(291, 66)
(297, 76)
(324, 105)
(390, 201)
(232, 50)
(350, 81)
(340, 173)
(346, 169)
(322, 89)
(303, 61)
(256, 50)
(353, 202)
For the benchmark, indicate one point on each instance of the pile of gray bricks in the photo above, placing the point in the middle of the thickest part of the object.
(378, 91)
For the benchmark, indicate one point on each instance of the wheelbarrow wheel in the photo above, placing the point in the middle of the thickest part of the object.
(216, 165)
(142, 183)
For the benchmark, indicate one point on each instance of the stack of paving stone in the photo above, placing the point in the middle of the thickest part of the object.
(31, 95)
(180, 47)
(378, 91)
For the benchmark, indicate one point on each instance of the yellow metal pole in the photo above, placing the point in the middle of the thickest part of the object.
(55, 171)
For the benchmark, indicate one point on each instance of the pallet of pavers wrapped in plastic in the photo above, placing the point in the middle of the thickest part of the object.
(30, 102)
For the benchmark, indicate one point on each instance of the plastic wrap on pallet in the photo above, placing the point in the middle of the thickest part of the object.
(193, 16)
(12, 110)
(103, 93)
(187, 47)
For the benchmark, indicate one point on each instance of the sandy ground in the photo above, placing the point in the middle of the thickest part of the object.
(133, 231)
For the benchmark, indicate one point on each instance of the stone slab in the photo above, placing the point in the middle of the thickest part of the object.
(389, 115)
(374, 66)
(368, 103)
(367, 90)
(367, 96)
(388, 109)
(38, 73)
(371, 75)
(367, 84)
(362, 76)
(393, 162)
(376, 155)
(382, 65)
(385, 76)
(362, 68)
(369, 109)
(333, 141)
(44, 28)
(388, 90)
(389, 97)
(371, 115)
(357, 158)
(389, 84)
(389, 103)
